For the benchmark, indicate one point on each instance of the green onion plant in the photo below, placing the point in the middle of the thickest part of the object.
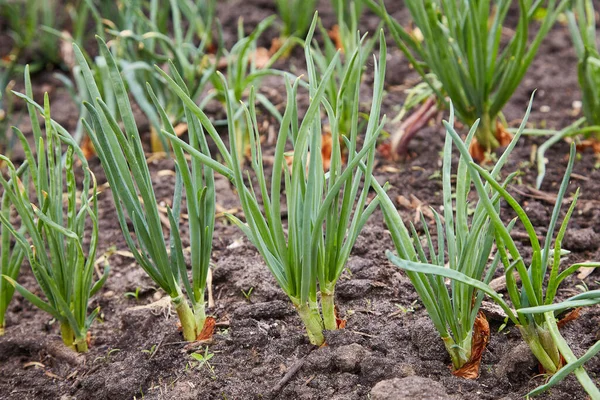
(582, 24)
(11, 255)
(467, 239)
(243, 71)
(24, 19)
(326, 210)
(147, 36)
(58, 240)
(122, 157)
(296, 16)
(534, 299)
(348, 13)
(356, 50)
(462, 45)
(36, 30)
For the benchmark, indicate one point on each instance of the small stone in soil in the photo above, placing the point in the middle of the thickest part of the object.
(409, 388)
(347, 358)
(581, 240)
(515, 363)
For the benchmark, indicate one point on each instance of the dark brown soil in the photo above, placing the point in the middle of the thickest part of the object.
(260, 338)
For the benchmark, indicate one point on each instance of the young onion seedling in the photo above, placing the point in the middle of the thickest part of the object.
(127, 172)
(460, 42)
(51, 234)
(326, 209)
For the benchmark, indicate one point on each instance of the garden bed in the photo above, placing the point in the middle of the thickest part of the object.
(260, 349)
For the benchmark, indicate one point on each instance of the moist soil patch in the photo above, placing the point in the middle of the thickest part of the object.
(260, 349)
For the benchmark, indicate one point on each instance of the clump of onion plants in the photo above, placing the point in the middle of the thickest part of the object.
(326, 210)
(468, 240)
(119, 148)
(59, 240)
(28, 23)
(462, 45)
(534, 298)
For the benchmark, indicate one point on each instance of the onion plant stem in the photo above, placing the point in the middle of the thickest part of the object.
(328, 306)
(459, 353)
(67, 334)
(70, 340)
(200, 314)
(530, 335)
(566, 352)
(486, 132)
(313, 323)
(186, 317)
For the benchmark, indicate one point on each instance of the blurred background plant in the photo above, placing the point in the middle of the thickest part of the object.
(296, 16)
(355, 50)
(462, 46)
(582, 25)
(35, 34)
(247, 65)
(149, 33)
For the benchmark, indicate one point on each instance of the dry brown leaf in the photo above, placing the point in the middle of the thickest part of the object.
(584, 272)
(53, 376)
(415, 204)
(385, 149)
(34, 364)
(87, 148)
(481, 337)
(208, 329)
(341, 323)
(180, 129)
(571, 316)
(166, 172)
(503, 136)
(261, 57)
(477, 152)
(390, 169)
(276, 44)
(589, 143)
(335, 35)
(326, 149)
